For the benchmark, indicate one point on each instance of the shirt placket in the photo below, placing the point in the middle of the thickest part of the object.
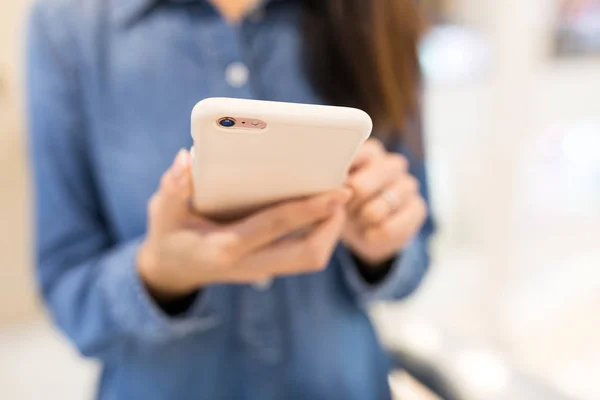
(260, 331)
(260, 316)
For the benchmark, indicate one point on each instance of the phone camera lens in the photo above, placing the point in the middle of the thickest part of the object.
(227, 122)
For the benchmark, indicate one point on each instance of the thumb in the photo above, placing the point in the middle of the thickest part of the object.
(179, 181)
(175, 190)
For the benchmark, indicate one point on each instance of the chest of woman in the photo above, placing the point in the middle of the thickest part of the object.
(140, 82)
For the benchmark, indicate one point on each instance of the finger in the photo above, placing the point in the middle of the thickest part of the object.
(170, 202)
(171, 261)
(177, 181)
(401, 226)
(271, 224)
(369, 151)
(376, 210)
(300, 255)
(369, 181)
(210, 263)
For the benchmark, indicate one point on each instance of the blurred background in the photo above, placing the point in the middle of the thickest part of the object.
(511, 308)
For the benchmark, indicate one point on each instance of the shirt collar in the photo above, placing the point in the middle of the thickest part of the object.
(127, 11)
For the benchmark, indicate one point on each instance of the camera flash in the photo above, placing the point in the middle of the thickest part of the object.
(255, 123)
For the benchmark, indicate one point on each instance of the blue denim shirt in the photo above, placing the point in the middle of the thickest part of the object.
(111, 84)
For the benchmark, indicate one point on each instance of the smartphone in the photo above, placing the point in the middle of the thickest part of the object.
(249, 154)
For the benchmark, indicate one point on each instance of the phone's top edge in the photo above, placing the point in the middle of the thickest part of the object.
(236, 105)
(215, 107)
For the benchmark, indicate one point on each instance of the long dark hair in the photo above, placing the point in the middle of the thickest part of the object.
(363, 53)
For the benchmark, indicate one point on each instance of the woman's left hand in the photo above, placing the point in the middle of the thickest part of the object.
(386, 210)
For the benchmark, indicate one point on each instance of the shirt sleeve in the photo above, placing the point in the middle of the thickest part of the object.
(88, 281)
(409, 266)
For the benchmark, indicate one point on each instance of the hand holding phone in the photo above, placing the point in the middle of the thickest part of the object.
(183, 251)
(387, 209)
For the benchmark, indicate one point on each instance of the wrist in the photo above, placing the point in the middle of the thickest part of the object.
(159, 286)
(373, 261)
(375, 271)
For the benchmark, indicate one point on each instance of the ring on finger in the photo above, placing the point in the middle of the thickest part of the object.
(391, 199)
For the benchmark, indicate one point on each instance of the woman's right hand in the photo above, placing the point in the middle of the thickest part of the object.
(183, 252)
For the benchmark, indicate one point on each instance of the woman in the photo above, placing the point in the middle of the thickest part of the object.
(171, 303)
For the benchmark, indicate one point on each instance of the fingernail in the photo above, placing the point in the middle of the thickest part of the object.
(179, 165)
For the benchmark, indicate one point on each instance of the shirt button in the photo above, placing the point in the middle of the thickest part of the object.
(237, 74)
(263, 285)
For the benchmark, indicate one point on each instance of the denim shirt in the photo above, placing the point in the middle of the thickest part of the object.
(111, 84)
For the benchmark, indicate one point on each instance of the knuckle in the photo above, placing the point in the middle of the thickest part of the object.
(210, 252)
(229, 244)
(371, 213)
(225, 250)
(360, 189)
(398, 162)
(413, 184)
(223, 258)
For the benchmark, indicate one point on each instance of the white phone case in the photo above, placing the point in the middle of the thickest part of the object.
(303, 150)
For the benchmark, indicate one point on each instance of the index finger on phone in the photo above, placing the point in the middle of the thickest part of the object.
(370, 150)
(267, 226)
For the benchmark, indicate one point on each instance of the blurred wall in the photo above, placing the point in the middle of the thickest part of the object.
(516, 154)
(17, 301)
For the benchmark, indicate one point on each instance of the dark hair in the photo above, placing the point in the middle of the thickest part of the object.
(363, 53)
